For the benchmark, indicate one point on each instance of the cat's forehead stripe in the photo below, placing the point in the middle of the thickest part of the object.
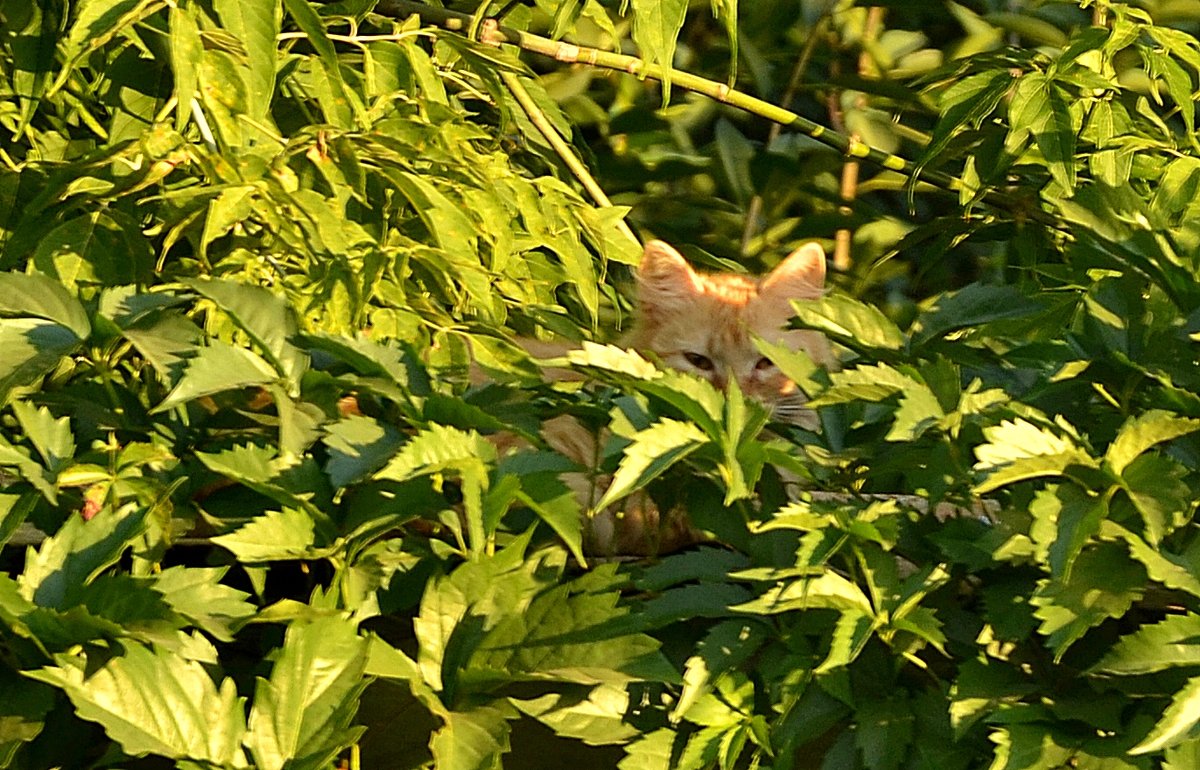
(734, 289)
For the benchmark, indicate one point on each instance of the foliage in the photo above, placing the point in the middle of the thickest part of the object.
(257, 255)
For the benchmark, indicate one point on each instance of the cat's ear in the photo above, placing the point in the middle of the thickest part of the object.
(800, 276)
(665, 279)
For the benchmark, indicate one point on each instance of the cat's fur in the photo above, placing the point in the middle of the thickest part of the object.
(703, 323)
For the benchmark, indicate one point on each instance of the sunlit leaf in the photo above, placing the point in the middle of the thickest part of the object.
(157, 703)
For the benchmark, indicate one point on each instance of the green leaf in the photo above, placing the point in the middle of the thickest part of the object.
(850, 322)
(449, 226)
(1157, 488)
(75, 554)
(156, 703)
(727, 645)
(1103, 584)
(567, 638)
(29, 348)
(1156, 647)
(973, 305)
(197, 594)
(22, 712)
(51, 437)
(1178, 723)
(216, 368)
(471, 740)
(255, 24)
(1065, 519)
(301, 714)
(266, 318)
(1039, 107)
(598, 719)
(826, 591)
(39, 296)
(652, 452)
(1178, 572)
(1143, 431)
(1017, 450)
(277, 535)
(358, 446)
(95, 248)
(656, 25)
(186, 53)
(440, 448)
(344, 100)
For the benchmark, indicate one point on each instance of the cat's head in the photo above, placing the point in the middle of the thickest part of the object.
(705, 323)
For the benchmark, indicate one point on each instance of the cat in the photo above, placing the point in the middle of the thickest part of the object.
(705, 324)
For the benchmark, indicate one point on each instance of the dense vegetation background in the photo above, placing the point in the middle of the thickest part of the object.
(247, 244)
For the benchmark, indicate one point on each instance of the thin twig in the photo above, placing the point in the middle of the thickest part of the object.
(844, 236)
(513, 83)
(754, 211)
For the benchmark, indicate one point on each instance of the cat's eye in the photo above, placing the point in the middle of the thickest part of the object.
(763, 364)
(701, 362)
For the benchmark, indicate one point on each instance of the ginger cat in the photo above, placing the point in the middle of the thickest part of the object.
(703, 323)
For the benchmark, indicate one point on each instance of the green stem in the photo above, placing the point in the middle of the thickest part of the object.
(564, 151)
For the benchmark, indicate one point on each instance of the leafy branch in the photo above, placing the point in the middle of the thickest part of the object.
(570, 53)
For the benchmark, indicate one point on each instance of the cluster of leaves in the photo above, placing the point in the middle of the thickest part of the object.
(251, 247)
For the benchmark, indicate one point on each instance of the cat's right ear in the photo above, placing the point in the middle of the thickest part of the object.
(665, 279)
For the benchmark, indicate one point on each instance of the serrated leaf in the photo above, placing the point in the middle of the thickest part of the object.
(1178, 572)
(358, 446)
(850, 635)
(157, 703)
(266, 318)
(1104, 584)
(613, 359)
(827, 591)
(51, 437)
(597, 720)
(276, 535)
(652, 452)
(471, 740)
(39, 296)
(30, 347)
(726, 646)
(196, 594)
(1179, 723)
(1157, 488)
(301, 714)
(1171, 643)
(850, 322)
(1141, 432)
(216, 368)
(972, 305)
(70, 558)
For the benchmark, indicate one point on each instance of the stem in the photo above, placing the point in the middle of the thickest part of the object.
(849, 188)
(564, 151)
(754, 211)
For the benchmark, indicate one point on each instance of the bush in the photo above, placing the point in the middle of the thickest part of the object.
(252, 248)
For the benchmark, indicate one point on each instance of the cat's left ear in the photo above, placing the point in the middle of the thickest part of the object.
(800, 276)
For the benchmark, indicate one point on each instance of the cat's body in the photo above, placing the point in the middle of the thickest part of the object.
(705, 324)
